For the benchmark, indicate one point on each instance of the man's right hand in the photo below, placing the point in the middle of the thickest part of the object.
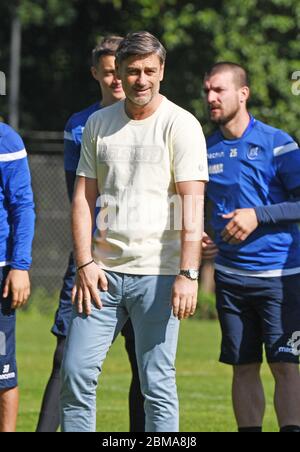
(88, 281)
(209, 248)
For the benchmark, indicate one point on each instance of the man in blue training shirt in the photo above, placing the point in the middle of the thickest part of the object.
(16, 235)
(255, 190)
(103, 71)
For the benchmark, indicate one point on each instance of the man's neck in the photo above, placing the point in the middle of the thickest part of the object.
(107, 101)
(236, 127)
(138, 113)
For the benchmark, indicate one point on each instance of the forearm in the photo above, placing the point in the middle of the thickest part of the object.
(83, 209)
(19, 196)
(190, 252)
(23, 232)
(82, 232)
(192, 228)
(287, 211)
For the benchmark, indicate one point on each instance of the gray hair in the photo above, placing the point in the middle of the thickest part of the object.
(140, 43)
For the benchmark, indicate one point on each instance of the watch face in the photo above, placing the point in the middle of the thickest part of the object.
(193, 274)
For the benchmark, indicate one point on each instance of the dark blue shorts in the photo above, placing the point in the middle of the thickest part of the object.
(8, 365)
(256, 312)
(64, 312)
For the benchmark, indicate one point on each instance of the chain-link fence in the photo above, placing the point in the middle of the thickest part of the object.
(52, 242)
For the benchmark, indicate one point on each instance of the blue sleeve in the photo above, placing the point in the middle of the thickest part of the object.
(287, 160)
(19, 198)
(72, 145)
(286, 211)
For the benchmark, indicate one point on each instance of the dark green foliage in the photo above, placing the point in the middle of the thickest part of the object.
(59, 34)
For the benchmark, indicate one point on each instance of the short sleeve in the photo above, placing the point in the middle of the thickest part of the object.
(87, 166)
(189, 150)
(287, 157)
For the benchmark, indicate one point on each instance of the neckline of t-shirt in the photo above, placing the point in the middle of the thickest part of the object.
(140, 122)
(252, 122)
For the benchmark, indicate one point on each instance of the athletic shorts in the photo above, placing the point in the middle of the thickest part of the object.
(256, 312)
(8, 365)
(64, 312)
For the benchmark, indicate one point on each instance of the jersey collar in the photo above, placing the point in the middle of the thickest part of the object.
(250, 126)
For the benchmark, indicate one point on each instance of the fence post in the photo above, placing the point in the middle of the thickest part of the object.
(2, 84)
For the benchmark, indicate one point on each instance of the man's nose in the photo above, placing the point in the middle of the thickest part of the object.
(211, 97)
(142, 79)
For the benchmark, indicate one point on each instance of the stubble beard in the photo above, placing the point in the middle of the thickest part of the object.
(224, 120)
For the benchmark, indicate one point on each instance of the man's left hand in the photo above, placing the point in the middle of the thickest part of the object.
(243, 223)
(18, 284)
(184, 297)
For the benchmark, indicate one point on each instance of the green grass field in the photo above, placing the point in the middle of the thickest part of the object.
(203, 383)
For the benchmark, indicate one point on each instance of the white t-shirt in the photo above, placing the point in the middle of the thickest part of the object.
(136, 164)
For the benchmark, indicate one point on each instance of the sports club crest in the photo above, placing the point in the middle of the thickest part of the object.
(253, 152)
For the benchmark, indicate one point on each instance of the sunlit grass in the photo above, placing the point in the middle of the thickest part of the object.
(204, 385)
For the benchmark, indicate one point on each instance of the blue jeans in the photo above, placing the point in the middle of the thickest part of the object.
(147, 301)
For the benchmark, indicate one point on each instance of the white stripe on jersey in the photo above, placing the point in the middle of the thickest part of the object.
(285, 149)
(68, 136)
(13, 156)
(4, 264)
(258, 274)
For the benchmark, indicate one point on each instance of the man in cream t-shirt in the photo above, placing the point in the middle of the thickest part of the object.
(146, 157)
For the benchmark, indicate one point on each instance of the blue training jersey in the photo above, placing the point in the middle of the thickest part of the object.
(72, 143)
(259, 169)
(73, 136)
(16, 202)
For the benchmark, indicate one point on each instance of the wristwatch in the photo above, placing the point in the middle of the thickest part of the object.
(190, 274)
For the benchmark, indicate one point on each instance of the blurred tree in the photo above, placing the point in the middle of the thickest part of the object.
(58, 35)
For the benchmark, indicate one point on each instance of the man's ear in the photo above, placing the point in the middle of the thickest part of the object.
(94, 72)
(244, 94)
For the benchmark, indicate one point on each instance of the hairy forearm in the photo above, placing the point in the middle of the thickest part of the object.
(82, 231)
(190, 253)
(192, 230)
(83, 212)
